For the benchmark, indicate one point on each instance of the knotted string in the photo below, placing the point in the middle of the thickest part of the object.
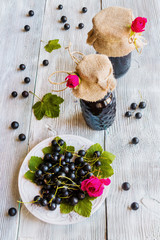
(134, 37)
(75, 59)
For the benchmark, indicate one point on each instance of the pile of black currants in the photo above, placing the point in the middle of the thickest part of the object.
(61, 178)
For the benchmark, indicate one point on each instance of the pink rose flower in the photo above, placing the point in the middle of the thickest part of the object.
(72, 81)
(138, 24)
(94, 186)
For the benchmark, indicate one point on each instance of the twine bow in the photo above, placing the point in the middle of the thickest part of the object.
(137, 40)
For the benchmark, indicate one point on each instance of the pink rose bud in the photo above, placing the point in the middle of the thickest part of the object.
(72, 81)
(94, 186)
(138, 25)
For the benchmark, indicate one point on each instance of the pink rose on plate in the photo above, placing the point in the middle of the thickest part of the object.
(94, 186)
(138, 25)
(72, 81)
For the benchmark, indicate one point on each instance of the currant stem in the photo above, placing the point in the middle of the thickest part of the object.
(35, 95)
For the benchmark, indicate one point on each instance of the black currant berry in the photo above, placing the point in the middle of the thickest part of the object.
(27, 79)
(81, 153)
(52, 206)
(48, 164)
(58, 200)
(61, 157)
(22, 137)
(61, 142)
(63, 19)
(55, 169)
(67, 160)
(38, 173)
(26, 28)
(80, 195)
(142, 105)
(44, 168)
(12, 212)
(133, 106)
(45, 62)
(14, 125)
(37, 199)
(73, 201)
(98, 163)
(68, 155)
(43, 202)
(89, 175)
(84, 9)
(138, 115)
(134, 206)
(79, 160)
(135, 140)
(22, 67)
(81, 172)
(71, 175)
(87, 167)
(128, 114)
(48, 157)
(39, 182)
(66, 169)
(54, 143)
(60, 7)
(81, 25)
(71, 166)
(25, 94)
(57, 148)
(97, 154)
(126, 186)
(66, 26)
(31, 13)
(14, 94)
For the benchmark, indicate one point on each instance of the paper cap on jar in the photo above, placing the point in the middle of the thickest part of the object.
(96, 74)
(111, 31)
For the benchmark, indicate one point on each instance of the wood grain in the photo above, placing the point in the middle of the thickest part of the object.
(139, 165)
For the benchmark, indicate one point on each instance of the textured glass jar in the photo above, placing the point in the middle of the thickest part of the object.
(101, 114)
(120, 65)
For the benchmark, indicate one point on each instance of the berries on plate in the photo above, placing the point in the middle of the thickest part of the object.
(97, 154)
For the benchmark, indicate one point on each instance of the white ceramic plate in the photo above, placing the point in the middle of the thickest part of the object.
(28, 190)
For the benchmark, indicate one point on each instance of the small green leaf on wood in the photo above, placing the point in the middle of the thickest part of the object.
(92, 149)
(66, 208)
(83, 207)
(30, 176)
(39, 110)
(52, 45)
(47, 150)
(34, 162)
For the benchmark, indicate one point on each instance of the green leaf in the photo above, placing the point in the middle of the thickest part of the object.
(47, 150)
(70, 149)
(30, 176)
(103, 171)
(83, 207)
(39, 110)
(109, 157)
(49, 106)
(66, 208)
(52, 45)
(92, 149)
(34, 162)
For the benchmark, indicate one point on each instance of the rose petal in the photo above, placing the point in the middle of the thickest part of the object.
(106, 181)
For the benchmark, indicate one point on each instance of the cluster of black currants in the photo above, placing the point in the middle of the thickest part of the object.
(134, 106)
(61, 178)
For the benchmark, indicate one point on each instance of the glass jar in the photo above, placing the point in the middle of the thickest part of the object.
(99, 115)
(120, 65)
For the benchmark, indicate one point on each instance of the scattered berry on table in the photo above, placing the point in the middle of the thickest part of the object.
(126, 186)
(22, 137)
(81, 153)
(133, 106)
(27, 79)
(12, 212)
(81, 25)
(22, 66)
(134, 206)
(97, 154)
(14, 125)
(135, 140)
(60, 7)
(63, 19)
(142, 105)
(138, 115)
(128, 114)
(14, 94)
(26, 28)
(98, 164)
(84, 9)
(66, 26)
(45, 62)
(25, 94)
(31, 13)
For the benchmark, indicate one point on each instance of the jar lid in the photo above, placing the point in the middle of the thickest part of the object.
(111, 31)
(96, 74)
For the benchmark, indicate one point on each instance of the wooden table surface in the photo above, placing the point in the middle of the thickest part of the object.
(139, 165)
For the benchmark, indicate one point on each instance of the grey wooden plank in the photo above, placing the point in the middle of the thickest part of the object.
(16, 47)
(70, 120)
(139, 165)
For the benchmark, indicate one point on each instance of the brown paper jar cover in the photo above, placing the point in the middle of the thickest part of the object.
(96, 74)
(111, 31)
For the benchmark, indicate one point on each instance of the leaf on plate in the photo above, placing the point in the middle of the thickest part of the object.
(30, 176)
(103, 171)
(70, 149)
(66, 208)
(52, 45)
(83, 207)
(34, 162)
(47, 150)
(109, 157)
(92, 149)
